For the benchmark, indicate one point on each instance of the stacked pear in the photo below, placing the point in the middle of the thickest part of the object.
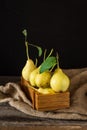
(33, 76)
(41, 76)
(41, 81)
(50, 82)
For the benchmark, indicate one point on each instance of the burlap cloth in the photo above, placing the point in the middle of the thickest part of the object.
(12, 93)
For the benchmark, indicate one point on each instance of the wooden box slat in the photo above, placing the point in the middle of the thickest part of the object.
(52, 101)
(46, 102)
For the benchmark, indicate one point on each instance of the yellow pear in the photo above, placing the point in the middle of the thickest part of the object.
(46, 90)
(33, 76)
(27, 69)
(59, 81)
(43, 79)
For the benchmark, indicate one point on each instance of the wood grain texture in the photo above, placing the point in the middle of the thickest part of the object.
(52, 101)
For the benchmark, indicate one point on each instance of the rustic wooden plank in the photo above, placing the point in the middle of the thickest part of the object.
(43, 128)
(5, 79)
(11, 116)
(58, 101)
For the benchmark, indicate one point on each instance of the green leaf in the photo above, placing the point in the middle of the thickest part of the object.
(39, 50)
(48, 63)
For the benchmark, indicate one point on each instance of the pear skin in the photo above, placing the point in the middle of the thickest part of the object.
(46, 90)
(58, 70)
(43, 79)
(27, 69)
(65, 83)
(33, 76)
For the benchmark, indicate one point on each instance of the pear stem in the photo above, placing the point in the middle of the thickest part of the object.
(26, 44)
(44, 54)
(38, 47)
(50, 53)
(36, 62)
(57, 57)
(52, 67)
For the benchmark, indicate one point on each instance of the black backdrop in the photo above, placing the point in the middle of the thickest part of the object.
(50, 24)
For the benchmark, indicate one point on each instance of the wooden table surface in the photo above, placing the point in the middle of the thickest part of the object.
(12, 119)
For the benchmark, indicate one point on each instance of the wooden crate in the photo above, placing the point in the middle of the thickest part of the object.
(46, 102)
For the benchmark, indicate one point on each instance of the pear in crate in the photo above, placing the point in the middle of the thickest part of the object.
(60, 81)
(43, 79)
(33, 76)
(27, 69)
(46, 90)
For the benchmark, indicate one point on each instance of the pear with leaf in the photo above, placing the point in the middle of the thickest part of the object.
(34, 74)
(59, 81)
(42, 79)
(29, 66)
(36, 70)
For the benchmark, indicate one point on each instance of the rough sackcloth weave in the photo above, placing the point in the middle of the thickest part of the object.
(12, 94)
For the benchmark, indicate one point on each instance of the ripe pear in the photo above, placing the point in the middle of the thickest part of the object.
(59, 81)
(43, 79)
(46, 90)
(33, 76)
(27, 69)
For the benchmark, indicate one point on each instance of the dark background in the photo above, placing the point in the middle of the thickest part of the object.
(50, 24)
